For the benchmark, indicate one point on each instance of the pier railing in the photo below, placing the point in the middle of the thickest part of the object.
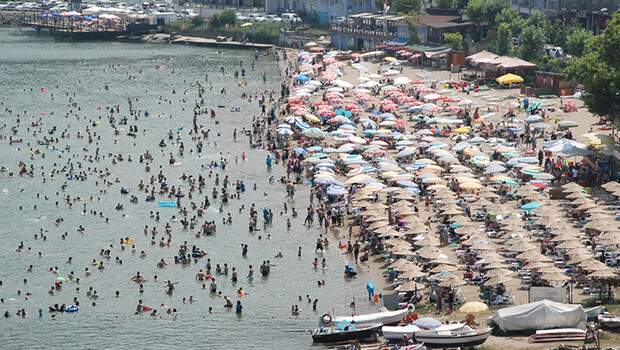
(70, 24)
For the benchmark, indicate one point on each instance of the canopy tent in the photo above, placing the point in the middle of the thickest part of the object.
(507, 62)
(483, 56)
(544, 314)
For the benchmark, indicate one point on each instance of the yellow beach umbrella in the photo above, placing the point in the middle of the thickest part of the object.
(509, 79)
(462, 130)
(595, 139)
(473, 307)
(390, 59)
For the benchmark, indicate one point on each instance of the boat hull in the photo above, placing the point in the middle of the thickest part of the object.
(435, 341)
(397, 333)
(369, 333)
(386, 318)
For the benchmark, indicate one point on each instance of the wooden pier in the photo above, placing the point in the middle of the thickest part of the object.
(75, 28)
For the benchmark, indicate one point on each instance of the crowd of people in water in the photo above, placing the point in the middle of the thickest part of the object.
(192, 194)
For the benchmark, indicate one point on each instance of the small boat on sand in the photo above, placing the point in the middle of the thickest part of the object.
(384, 317)
(453, 336)
(347, 332)
(558, 335)
(608, 321)
(396, 333)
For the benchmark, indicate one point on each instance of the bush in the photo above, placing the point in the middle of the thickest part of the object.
(197, 21)
(226, 17)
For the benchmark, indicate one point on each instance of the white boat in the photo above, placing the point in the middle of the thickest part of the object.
(453, 336)
(396, 333)
(608, 321)
(385, 317)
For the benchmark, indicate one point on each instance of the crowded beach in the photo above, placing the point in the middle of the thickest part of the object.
(461, 195)
(455, 197)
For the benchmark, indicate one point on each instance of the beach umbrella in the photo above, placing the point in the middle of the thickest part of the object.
(530, 206)
(473, 307)
(402, 81)
(412, 274)
(554, 277)
(343, 84)
(498, 280)
(509, 79)
(409, 286)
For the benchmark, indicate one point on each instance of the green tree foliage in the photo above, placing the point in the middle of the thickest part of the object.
(480, 11)
(448, 4)
(598, 69)
(492, 8)
(532, 42)
(455, 40)
(538, 19)
(226, 17)
(557, 33)
(576, 41)
(476, 11)
(406, 6)
(513, 19)
(197, 21)
(503, 40)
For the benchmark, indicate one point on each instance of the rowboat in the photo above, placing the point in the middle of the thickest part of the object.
(396, 333)
(351, 332)
(453, 336)
(384, 317)
(557, 335)
(609, 322)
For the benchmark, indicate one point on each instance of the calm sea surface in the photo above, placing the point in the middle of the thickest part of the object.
(29, 62)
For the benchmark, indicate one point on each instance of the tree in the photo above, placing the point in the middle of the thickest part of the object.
(406, 6)
(227, 17)
(598, 69)
(538, 19)
(455, 40)
(513, 19)
(448, 4)
(503, 39)
(197, 21)
(480, 11)
(492, 8)
(576, 41)
(532, 41)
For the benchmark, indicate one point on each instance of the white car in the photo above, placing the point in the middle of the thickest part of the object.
(290, 18)
(273, 18)
(255, 17)
(241, 17)
(340, 20)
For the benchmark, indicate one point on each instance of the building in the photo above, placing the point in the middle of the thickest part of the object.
(592, 14)
(431, 28)
(295, 6)
(328, 10)
(365, 31)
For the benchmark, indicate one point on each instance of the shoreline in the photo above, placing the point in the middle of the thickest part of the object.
(499, 99)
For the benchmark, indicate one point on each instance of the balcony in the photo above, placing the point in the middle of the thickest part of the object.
(368, 32)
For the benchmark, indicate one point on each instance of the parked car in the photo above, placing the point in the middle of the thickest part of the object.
(554, 51)
(340, 20)
(188, 13)
(256, 17)
(273, 18)
(241, 17)
(290, 18)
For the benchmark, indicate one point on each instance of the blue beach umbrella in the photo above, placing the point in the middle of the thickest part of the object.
(530, 206)
(302, 77)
